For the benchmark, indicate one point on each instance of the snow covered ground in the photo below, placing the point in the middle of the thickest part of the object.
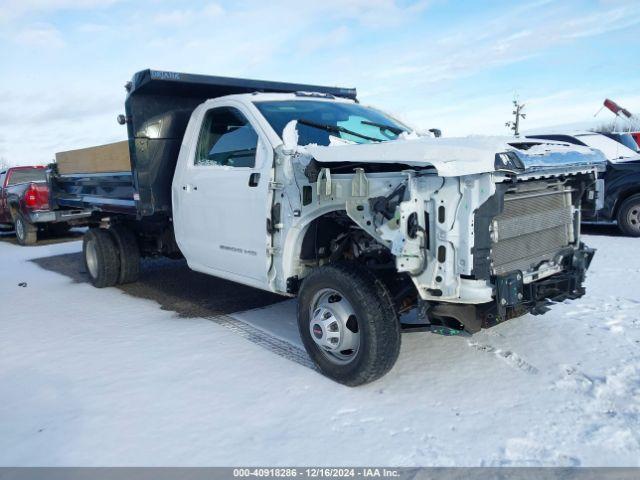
(107, 377)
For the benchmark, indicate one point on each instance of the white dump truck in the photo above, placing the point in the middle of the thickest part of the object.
(303, 191)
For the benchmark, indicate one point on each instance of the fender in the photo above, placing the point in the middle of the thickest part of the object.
(621, 180)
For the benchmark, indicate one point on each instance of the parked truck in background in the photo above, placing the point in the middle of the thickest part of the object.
(303, 191)
(620, 178)
(24, 204)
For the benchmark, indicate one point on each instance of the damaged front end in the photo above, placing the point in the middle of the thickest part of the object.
(483, 249)
(469, 245)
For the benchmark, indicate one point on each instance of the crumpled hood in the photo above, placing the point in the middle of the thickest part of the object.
(460, 156)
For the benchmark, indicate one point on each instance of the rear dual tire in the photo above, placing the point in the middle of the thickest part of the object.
(128, 252)
(111, 257)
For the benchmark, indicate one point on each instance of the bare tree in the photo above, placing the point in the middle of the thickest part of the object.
(4, 163)
(517, 112)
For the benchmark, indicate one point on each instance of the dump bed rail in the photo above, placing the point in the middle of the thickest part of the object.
(109, 192)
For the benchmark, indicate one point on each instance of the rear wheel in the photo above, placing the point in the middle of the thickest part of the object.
(26, 232)
(101, 258)
(629, 216)
(348, 323)
(128, 252)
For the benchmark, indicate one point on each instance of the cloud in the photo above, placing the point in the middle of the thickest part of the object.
(174, 18)
(184, 17)
(213, 10)
(483, 44)
(40, 36)
(13, 9)
(374, 13)
(92, 28)
(593, 25)
(333, 38)
(431, 65)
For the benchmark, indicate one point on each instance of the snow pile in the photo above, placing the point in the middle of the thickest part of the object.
(98, 377)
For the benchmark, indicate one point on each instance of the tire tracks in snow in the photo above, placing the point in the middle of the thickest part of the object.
(264, 339)
(510, 358)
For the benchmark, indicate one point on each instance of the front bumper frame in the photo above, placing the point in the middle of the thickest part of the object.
(513, 298)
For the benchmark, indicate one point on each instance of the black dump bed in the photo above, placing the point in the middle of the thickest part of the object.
(158, 107)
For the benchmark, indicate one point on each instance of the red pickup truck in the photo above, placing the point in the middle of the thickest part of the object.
(24, 204)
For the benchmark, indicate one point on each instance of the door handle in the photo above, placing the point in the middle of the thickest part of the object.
(188, 187)
(254, 179)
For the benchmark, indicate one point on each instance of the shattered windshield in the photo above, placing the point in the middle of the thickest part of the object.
(319, 121)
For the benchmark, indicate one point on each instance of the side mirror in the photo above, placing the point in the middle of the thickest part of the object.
(436, 132)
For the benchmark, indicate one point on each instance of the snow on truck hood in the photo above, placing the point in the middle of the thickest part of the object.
(459, 156)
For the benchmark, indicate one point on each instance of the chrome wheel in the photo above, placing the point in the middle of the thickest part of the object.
(91, 257)
(20, 228)
(633, 217)
(334, 326)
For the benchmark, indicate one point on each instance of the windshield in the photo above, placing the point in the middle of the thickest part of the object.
(625, 139)
(319, 121)
(612, 150)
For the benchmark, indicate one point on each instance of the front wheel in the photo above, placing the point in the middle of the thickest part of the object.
(348, 323)
(629, 216)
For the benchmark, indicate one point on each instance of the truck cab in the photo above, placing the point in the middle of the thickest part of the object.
(225, 172)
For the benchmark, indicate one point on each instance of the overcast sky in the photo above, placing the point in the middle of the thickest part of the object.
(455, 65)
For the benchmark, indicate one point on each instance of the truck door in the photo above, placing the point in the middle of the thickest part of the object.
(221, 198)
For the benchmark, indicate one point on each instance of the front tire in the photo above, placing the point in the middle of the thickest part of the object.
(348, 323)
(26, 232)
(629, 216)
(101, 258)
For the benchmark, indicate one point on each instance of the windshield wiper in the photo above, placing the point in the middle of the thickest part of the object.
(336, 129)
(383, 126)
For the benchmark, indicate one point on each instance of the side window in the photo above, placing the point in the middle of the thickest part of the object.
(226, 138)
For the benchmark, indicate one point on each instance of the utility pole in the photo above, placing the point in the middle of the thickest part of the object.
(517, 111)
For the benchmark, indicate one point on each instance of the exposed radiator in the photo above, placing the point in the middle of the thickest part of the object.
(533, 227)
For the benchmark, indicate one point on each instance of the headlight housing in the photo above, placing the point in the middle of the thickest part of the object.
(508, 161)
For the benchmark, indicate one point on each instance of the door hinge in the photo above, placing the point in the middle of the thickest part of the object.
(275, 186)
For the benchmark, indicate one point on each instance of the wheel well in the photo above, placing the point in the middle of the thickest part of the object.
(13, 210)
(620, 200)
(334, 237)
(316, 243)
